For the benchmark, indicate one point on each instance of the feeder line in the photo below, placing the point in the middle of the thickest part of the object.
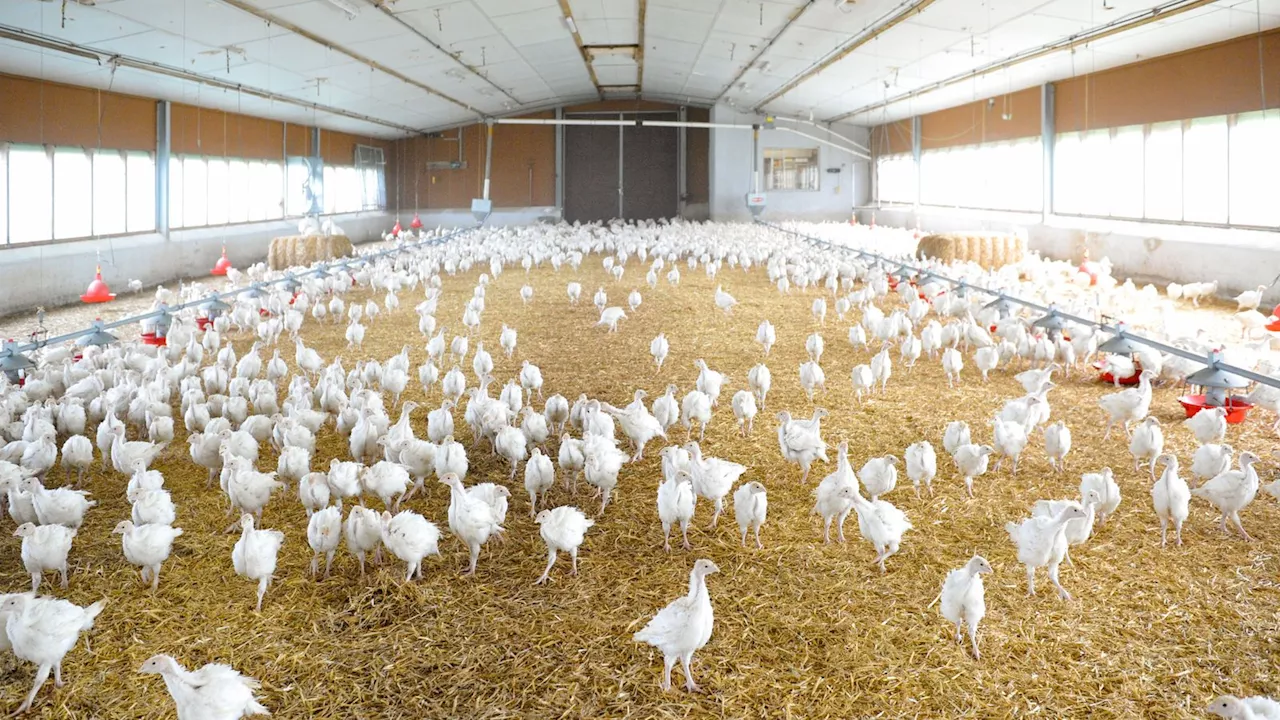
(1114, 330)
(236, 291)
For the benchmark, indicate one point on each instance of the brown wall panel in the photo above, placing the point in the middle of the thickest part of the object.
(32, 111)
(697, 157)
(203, 131)
(983, 121)
(297, 140)
(524, 164)
(891, 138)
(1217, 79)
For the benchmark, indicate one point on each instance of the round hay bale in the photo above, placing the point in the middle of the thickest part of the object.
(293, 250)
(989, 249)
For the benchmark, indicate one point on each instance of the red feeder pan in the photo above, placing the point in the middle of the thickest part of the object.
(416, 224)
(98, 292)
(395, 231)
(1236, 407)
(1131, 380)
(222, 266)
(151, 338)
(204, 323)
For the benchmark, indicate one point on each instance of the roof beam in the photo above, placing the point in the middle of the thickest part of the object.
(885, 23)
(582, 47)
(795, 15)
(244, 6)
(111, 58)
(457, 57)
(1115, 27)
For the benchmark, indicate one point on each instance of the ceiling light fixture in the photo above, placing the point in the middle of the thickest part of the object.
(845, 6)
(568, 21)
(346, 6)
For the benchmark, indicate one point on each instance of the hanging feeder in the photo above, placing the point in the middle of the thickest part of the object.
(97, 336)
(156, 329)
(223, 265)
(97, 292)
(13, 363)
(209, 311)
(1120, 344)
(1003, 306)
(416, 223)
(1216, 382)
(395, 231)
(1052, 321)
(1274, 324)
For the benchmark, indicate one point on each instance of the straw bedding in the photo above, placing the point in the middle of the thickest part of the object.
(803, 630)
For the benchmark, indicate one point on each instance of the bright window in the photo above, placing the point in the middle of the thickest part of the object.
(330, 189)
(195, 192)
(1163, 186)
(217, 175)
(896, 178)
(275, 190)
(1204, 171)
(237, 191)
(141, 192)
(789, 169)
(1124, 172)
(351, 190)
(109, 191)
(4, 195)
(72, 194)
(993, 176)
(32, 198)
(176, 191)
(1255, 156)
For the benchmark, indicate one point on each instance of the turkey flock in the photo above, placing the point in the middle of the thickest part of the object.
(113, 410)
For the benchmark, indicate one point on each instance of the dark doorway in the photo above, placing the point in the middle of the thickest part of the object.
(649, 164)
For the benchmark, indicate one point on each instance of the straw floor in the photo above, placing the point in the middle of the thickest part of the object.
(803, 630)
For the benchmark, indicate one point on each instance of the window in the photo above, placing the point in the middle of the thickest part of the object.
(72, 194)
(789, 169)
(176, 191)
(992, 176)
(237, 191)
(140, 201)
(1124, 172)
(109, 191)
(1163, 164)
(371, 165)
(31, 199)
(896, 178)
(1254, 157)
(350, 191)
(217, 177)
(4, 194)
(195, 192)
(330, 189)
(1204, 170)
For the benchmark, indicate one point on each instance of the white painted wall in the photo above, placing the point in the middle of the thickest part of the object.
(1237, 259)
(57, 273)
(731, 171)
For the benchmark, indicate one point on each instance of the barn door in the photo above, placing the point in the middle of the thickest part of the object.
(649, 166)
(591, 163)
(621, 172)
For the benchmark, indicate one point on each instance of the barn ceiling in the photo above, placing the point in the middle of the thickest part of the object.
(395, 67)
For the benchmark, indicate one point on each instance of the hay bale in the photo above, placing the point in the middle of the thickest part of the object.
(292, 250)
(988, 249)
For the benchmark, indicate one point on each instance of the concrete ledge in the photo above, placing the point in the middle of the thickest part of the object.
(1148, 252)
(56, 274)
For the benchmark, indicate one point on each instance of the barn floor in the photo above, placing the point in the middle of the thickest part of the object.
(803, 629)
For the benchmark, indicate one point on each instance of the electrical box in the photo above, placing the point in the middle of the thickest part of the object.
(756, 203)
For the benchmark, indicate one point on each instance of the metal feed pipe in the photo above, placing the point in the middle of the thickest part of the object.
(236, 291)
(1050, 310)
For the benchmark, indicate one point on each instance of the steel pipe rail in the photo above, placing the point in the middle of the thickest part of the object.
(236, 291)
(1156, 344)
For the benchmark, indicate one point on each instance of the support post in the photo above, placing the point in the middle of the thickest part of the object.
(162, 167)
(560, 162)
(1048, 135)
(315, 142)
(755, 158)
(916, 150)
(682, 162)
(488, 156)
